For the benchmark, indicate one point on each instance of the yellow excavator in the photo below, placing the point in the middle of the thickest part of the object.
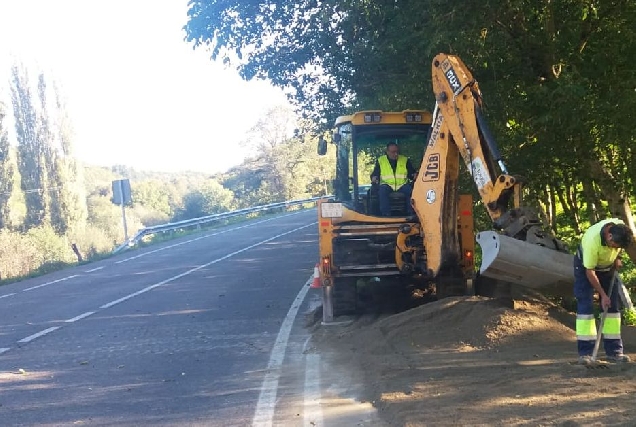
(436, 244)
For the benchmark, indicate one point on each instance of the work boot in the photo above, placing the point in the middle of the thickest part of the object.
(585, 360)
(618, 358)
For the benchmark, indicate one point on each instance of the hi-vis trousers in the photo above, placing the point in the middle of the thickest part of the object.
(585, 322)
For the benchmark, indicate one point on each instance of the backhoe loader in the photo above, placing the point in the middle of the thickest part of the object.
(436, 244)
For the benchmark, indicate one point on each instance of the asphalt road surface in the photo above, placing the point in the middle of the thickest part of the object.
(205, 330)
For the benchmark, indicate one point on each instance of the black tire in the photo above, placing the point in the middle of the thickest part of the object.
(450, 286)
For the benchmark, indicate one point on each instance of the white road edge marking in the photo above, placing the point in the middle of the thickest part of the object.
(38, 335)
(4, 350)
(313, 410)
(264, 414)
(81, 316)
(7, 295)
(49, 283)
(94, 269)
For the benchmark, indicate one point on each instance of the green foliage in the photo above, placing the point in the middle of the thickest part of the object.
(103, 214)
(629, 316)
(550, 72)
(210, 199)
(32, 152)
(7, 172)
(49, 245)
(17, 257)
(148, 216)
(23, 253)
(93, 241)
(152, 195)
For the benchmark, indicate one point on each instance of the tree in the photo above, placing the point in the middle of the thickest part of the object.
(152, 194)
(292, 44)
(51, 177)
(557, 76)
(69, 172)
(31, 151)
(210, 199)
(271, 130)
(7, 172)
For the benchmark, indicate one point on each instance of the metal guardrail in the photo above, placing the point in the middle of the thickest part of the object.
(197, 222)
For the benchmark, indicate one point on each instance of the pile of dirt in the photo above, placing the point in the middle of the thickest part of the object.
(460, 323)
(472, 360)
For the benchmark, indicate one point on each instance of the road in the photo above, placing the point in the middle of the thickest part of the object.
(204, 330)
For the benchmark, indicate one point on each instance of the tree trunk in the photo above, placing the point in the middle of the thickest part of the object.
(572, 200)
(551, 193)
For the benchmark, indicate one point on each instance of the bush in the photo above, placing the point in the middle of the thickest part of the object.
(50, 246)
(92, 241)
(18, 257)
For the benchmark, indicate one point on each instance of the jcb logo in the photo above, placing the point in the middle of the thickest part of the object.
(431, 170)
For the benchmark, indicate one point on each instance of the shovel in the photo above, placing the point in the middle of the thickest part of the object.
(596, 364)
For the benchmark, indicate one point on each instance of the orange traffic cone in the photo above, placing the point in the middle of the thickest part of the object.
(316, 282)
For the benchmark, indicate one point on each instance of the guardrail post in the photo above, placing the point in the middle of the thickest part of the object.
(77, 252)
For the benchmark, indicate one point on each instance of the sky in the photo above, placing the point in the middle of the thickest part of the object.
(132, 84)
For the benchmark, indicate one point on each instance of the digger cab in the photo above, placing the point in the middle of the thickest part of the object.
(360, 139)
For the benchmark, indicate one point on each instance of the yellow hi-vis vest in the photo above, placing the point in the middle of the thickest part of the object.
(388, 177)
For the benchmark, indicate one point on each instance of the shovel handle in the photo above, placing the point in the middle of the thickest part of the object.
(597, 344)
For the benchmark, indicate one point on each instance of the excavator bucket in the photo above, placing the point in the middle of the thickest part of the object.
(511, 260)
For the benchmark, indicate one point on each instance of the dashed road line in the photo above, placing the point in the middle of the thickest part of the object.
(80, 317)
(94, 269)
(143, 291)
(273, 359)
(49, 283)
(38, 335)
(7, 295)
(192, 270)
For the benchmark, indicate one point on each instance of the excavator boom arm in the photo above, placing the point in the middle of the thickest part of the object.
(459, 130)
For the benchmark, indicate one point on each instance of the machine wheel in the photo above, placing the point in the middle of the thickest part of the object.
(492, 288)
(450, 286)
(344, 296)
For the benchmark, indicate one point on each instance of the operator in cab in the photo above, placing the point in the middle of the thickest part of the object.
(595, 264)
(394, 173)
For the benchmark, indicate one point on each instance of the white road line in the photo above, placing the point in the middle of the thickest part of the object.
(81, 316)
(199, 238)
(264, 415)
(38, 335)
(192, 270)
(144, 290)
(94, 269)
(275, 360)
(313, 410)
(49, 283)
(7, 295)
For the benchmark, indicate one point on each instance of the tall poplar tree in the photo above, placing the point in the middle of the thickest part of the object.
(31, 155)
(6, 171)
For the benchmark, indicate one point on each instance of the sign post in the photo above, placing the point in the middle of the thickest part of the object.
(122, 196)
